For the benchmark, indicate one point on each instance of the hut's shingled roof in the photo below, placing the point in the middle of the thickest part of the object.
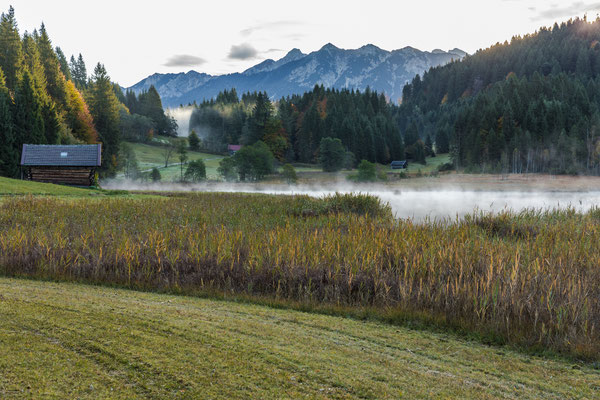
(86, 155)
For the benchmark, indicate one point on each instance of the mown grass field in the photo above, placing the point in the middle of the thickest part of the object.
(18, 187)
(62, 340)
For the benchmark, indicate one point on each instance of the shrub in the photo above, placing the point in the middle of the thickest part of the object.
(445, 167)
(155, 175)
(289, 173)
(254, 162)
(367, 172)
(196, 171)
(332, 154)
(226, 169)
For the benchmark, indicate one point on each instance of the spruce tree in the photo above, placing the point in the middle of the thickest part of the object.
(27, 115)
(64, 65)
(104, 108)
(78, 71)
(194, 141)
(34, 65)
(55, 81)
(11, 56)
(9, 155)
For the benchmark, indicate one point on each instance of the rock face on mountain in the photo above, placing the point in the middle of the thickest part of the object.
(381, 70)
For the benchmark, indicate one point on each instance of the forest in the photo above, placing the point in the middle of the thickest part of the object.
(531, 105)
(45, 99)
(293, 127)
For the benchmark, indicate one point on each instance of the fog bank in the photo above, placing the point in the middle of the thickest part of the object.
(182, 115)
(406, 203)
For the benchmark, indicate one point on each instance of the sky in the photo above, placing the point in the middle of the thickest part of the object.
(134, 38)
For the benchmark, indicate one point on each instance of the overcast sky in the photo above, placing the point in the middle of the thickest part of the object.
(135, 38)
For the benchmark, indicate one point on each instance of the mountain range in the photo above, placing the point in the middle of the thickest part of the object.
(296, 73)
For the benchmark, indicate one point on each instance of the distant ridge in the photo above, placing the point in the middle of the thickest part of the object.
(368, 66)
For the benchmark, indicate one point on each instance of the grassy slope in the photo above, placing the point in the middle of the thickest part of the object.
(432, 164)
(67, 340)
(152, 156)
(15, 186)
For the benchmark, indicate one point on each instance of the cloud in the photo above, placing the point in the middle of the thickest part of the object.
(242, 51)
(272, 25)
(575, 8)
(184, 60)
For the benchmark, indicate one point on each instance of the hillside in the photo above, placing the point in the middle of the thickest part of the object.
(528, 105)
(68, 340)
(296, 73)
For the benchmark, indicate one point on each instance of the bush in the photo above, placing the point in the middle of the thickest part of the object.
(254, 162)
(445, 167)
(289, 173)
(155, 175)
(226, 169)
(367, 172)
(332, 155)
(196, 171)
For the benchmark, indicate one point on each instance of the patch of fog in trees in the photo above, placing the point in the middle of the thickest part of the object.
(182, 116)
(444, 204)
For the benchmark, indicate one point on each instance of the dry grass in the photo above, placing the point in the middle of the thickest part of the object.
(531, 279)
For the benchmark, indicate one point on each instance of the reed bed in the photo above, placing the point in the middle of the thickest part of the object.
(531, 278)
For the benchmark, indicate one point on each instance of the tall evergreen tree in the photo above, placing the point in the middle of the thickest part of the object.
(34, 65)
(78, 71)
(11, 56)
(55, 80)
(27, 114)
(64, 65)
(104, 108)
(8, 151)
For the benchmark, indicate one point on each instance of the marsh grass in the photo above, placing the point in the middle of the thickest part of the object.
(531, 278)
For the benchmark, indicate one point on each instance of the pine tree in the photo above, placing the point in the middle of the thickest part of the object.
(104, 108)
(260, 115)
(27, 115)
(194, 141)
(34, 65)
(64, 65)
(11, 56)
(55, 80)
(51, 123)
(8, 151)
(78, 71)
(150, 105)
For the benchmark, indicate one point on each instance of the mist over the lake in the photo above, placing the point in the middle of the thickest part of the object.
(446, 203)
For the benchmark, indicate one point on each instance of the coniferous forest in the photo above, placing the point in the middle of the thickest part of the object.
(294, 126)
(44, 99)
(531, 105)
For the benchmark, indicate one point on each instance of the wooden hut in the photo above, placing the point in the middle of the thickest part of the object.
(399, 164)
(62, 164)
(233, 148)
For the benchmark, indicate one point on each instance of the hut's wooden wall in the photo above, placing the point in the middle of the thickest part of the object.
(76, 176)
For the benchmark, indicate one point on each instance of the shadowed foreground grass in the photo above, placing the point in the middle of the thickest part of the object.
(75, 341)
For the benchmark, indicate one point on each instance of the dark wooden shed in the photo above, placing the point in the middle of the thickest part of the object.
(399, 164)
(62, 164)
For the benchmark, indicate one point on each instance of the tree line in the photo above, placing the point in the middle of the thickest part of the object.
(528, 105)
(45, 99)
(293, 127)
